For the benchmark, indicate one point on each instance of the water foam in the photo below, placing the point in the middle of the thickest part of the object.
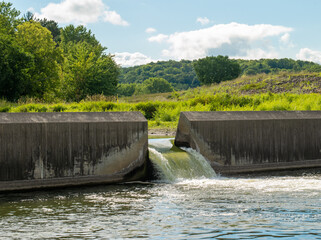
(178, 164)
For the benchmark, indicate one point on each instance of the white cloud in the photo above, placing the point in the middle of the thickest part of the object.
(80, 12)
(158, 38)
(285, 38)
(307, 54)
(203, 20)
(114, 18)
(233, 39)
(150, 30)
(126, 59)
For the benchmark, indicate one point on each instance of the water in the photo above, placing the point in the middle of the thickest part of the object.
(194, 207)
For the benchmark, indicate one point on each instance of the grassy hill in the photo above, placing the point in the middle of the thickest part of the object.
(277, 92)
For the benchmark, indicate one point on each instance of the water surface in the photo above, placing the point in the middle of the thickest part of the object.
(195, 207)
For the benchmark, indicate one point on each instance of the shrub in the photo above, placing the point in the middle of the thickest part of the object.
(148, 109)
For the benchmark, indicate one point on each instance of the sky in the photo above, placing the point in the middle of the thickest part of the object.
(137, 32)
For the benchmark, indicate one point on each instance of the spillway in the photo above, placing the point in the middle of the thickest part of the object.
(174, 164)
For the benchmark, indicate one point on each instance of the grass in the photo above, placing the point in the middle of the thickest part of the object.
(282, 92)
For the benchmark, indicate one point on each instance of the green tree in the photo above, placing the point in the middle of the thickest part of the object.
(126, 89)
(87, 69)
(9, 17)
(53, 27)
(14, 61)
(216, 69)
(44, 74)
(28, 16)
(72, 35)
(155, 85)
(14, 65)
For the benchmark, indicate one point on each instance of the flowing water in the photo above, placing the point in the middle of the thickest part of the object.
(184, 204)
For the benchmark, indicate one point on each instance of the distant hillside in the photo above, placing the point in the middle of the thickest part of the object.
(182, 75)
(282, 83)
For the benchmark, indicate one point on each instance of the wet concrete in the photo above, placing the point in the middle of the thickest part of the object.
(40, 150)
(249, 142)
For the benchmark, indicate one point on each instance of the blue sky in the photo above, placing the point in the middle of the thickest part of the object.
(140, 31)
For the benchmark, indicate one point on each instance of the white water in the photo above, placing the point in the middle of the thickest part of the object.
(186, 205)
(178, 164)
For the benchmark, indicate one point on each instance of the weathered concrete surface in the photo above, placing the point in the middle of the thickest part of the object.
(249, 142)
(41, 150)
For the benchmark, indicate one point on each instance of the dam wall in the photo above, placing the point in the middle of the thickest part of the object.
(252, 142)
(43, 150)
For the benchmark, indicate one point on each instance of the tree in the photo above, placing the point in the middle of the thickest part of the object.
(53, 27)
(71, 34)
(87, 69)
(38, 43)
(29, 16)
(126, 89)
(14, 65)
(9, 17)
(216, 69)
(14, 61)
(155, 85)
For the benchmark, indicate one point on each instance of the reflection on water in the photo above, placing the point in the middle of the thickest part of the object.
(221, 208)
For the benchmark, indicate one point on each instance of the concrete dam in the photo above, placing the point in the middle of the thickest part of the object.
(43, 150)
(253, 142)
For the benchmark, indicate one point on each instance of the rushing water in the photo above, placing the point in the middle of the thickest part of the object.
(183, 205)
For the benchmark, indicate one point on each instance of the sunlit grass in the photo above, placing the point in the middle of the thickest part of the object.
(281, 92)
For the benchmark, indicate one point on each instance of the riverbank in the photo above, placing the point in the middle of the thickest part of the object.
(161, 132)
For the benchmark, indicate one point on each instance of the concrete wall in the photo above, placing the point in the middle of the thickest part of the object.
(245, 142)
(62, 149)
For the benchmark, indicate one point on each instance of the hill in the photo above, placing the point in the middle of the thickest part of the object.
(182, 76)
(276, 92)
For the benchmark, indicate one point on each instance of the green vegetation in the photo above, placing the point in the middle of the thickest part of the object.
(216, 69)
(44, 68)
(275, 92)
(182, 74)
(40, 60)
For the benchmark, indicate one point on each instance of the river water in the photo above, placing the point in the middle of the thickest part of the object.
(183, 204)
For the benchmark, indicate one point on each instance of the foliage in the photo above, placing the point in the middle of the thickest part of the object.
(154, 85)
(53, 27)
(180, 74)
(9, 17)
(14, 64)
(44, 74)
(166, 114)
(216, 69)
(88, 71)
(126, 89)
(40, 60)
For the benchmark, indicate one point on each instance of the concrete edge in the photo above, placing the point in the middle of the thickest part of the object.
(255, 168)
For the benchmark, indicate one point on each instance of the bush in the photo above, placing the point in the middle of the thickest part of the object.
(59, 108)
(148, 109)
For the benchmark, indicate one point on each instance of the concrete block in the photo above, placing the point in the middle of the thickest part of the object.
(248, 142)
(41, 150)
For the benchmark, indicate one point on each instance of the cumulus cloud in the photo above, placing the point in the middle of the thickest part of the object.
(114, 18)
(150, 30)
(285, 38)
(307, 54)
(80, 12)
(203, 20)
(233, 39)
(126, 59)
(158, 38)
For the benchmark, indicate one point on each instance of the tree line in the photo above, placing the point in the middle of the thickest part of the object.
(40, 60)
(189, 74)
